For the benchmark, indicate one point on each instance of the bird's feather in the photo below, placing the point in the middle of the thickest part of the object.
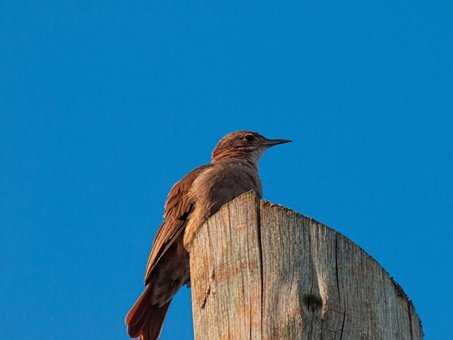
(177, 209)
(166, 268)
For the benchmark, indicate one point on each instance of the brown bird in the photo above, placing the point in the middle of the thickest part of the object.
(233, 170)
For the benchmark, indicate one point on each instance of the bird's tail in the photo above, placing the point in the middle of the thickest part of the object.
(145, 320)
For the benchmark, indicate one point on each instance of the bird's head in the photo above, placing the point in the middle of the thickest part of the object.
(243, 145)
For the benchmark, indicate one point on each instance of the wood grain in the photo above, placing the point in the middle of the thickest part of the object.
(261, 271)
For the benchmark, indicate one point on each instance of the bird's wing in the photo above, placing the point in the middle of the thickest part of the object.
(177, 208)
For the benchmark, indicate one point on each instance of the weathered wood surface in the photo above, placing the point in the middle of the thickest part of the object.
(261, 271)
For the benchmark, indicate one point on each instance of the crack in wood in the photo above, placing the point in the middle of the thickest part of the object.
(342, 325)
(260, 256)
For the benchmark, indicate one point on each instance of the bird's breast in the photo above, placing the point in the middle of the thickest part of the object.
(215, 187)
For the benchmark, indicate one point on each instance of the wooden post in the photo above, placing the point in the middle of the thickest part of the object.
(261, 271)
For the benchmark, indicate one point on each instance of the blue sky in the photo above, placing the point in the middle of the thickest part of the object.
(104, 105)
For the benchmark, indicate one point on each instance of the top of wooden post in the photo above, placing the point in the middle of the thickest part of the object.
(262, 271)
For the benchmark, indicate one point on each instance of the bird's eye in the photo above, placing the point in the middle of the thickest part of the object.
(249, 138)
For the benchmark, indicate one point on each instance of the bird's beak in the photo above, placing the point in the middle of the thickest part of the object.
(272, 142)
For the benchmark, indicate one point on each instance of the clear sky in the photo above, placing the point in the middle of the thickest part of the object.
(105, 104)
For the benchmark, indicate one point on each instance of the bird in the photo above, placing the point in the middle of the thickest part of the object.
(232, 171)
